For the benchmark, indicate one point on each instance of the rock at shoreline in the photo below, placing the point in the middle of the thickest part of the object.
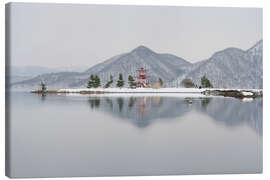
(234, 93)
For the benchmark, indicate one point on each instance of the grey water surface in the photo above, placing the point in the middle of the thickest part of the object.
(72, 135)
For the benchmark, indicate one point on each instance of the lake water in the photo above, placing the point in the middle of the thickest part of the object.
(71, 135)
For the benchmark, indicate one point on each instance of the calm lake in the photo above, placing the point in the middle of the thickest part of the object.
(82, 135)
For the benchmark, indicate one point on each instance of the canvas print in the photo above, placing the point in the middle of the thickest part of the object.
(115, 90)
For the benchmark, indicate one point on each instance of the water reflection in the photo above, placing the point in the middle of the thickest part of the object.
(106, 132)
(131, 102)
(120, 102)
(94, 102)
(43, 96)
(205, 102)
(144, 110)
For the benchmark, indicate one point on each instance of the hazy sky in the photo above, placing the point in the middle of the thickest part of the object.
(57, 35)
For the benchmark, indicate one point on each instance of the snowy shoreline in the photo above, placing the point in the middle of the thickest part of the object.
(237, 93)
(135, 90)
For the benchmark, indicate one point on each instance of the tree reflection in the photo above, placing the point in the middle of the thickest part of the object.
(131, 102)
(120, 103)
(110, 102)
(205, 102)
(143, 110)
(94, 102)
(43, 97)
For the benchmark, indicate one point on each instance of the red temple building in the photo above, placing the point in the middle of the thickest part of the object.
(142, 78)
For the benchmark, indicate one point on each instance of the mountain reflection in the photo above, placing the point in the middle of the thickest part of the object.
(144, 110)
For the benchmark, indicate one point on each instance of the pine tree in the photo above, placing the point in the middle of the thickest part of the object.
(205, 83)
(91, 81)
(131, 81)
(43, 87)
(120, 82)
(89, 84)
(96, 82)
(108, 84)
(160, 82)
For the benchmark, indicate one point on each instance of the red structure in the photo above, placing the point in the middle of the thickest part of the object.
(142, 105)
(142, 79)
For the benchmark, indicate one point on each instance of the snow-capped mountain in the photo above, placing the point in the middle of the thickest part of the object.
(165, 66)
(230, 68)
(257, 49)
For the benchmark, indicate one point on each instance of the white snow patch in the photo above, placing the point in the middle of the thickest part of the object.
(247, 99)
(247, 93)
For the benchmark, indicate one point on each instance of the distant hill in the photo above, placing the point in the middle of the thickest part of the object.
(230, 68)
(21, 73)
(165, 66)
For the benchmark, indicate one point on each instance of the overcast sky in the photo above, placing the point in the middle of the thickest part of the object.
(57, 35)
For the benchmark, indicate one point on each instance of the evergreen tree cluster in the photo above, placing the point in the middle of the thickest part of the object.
(131, 81)
(108, 84)
(94, 81)
(120, 82)
(205, 83)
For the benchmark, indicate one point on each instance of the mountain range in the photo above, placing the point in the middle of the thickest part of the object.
(229, 68)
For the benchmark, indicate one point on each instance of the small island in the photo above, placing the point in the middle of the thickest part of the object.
(142, 85)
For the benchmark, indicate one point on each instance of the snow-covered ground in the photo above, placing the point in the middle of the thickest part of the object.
(137, 90)
(245, 92)
(170, 92)
(179, 95)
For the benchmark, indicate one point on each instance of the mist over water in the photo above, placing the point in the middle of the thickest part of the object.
(82, 135)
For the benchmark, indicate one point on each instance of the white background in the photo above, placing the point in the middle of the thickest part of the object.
(265, 4)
